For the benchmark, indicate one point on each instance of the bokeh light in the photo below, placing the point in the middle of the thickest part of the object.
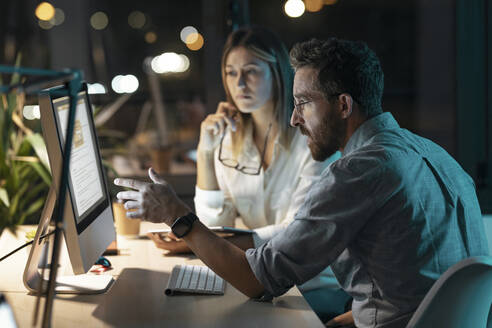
(96, 89)
(150, 37)
(189, 34)
(31, 112)
(198, 44)
(45, 25)
(45, 11)
(294, 8)
(185, 63)
(99, 20)
(125, 83)
(137, 19)
(170, 62)
(58, 18)
(192, 38)
(313, 5)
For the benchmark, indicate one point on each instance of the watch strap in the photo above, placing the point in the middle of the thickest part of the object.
(187, 221)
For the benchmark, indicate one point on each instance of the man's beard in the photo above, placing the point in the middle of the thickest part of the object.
(328, 138)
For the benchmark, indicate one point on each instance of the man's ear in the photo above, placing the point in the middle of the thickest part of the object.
(346, 105)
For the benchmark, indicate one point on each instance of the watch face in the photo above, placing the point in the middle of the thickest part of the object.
(180, 228)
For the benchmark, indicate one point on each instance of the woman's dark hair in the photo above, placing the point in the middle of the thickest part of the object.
(265, 45)
(344, 66)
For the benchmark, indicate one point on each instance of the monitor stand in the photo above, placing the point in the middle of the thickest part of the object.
(74, 284)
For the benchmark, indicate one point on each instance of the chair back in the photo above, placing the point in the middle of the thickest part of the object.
(461, 297)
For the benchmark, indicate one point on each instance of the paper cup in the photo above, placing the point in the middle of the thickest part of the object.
(124, 225)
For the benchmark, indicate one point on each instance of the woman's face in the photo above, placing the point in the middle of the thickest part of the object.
(249, 80)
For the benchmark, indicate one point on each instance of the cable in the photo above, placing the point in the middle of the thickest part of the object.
(26, 244)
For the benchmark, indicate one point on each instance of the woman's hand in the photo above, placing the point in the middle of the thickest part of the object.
(214, 125)
(169, 243)
(343, 320)
(155, 202)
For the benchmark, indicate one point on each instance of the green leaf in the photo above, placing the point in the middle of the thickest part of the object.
(12, 103)
(39, 191)
(4, 197)
(15, 200)
(24, 170)
(13, 180)
(21, 219)
(24, 147)
(42, 171)
(2, 128)
(16, 77)
(34, 207)
(37, 143)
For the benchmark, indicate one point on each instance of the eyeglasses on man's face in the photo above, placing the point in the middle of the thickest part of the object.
(298, 106)
(234, 164)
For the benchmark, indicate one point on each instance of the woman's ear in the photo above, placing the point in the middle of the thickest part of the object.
(345, 105)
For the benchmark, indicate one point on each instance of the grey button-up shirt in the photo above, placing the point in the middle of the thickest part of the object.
(390, 216)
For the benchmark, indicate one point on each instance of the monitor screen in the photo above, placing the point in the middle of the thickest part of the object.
(86, 182)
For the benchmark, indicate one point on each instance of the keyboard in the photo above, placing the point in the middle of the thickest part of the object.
(194, 279)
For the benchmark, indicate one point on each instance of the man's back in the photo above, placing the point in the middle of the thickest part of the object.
(427, 219)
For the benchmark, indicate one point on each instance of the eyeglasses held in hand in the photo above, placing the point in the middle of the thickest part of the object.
(232, 163)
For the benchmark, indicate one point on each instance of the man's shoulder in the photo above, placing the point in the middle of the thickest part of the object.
(366, 162)
(367, 155)
(384, 152)
(393, 145)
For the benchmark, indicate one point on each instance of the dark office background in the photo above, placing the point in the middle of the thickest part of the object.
(435, 55)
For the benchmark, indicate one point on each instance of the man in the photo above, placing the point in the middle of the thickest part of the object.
(390, 216)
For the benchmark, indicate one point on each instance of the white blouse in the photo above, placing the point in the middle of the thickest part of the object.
(266, 202)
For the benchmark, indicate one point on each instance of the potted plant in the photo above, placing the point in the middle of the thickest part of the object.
(24, 166)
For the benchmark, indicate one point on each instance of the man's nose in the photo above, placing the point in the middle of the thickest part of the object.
(295, 119)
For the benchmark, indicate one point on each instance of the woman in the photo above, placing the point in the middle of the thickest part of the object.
(250, 164)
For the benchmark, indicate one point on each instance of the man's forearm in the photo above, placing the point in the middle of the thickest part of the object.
(244, 242)
(224, 258)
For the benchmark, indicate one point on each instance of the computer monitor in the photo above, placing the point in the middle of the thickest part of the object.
(88, 216)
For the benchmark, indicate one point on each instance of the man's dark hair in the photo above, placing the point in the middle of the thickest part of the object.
(344, 66)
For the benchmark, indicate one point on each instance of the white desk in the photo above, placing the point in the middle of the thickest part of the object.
(137, 297)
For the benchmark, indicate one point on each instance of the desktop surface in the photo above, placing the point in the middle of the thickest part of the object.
(137, 298)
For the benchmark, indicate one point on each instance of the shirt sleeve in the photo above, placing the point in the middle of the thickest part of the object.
(264, 234)
(214, 208)
(334, 211)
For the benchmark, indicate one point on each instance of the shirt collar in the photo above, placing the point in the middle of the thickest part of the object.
(368, 129)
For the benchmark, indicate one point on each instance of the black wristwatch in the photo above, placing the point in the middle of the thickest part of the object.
(182, 226)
